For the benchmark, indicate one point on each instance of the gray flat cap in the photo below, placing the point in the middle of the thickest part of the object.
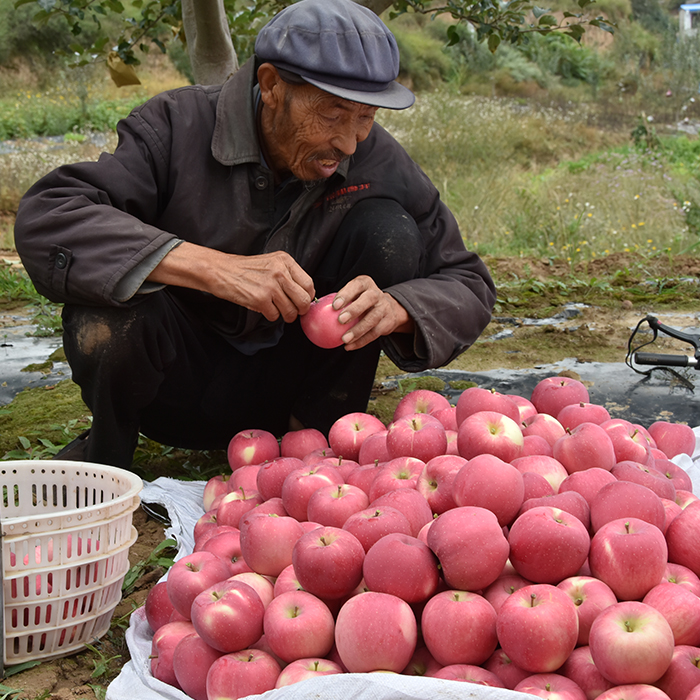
(338, 46)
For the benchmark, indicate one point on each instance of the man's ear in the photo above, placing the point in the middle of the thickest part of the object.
(270, 85)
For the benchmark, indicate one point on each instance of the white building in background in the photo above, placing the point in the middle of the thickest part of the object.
(689, 19)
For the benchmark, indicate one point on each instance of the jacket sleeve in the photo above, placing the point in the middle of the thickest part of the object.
(83, 227)
(451, 303)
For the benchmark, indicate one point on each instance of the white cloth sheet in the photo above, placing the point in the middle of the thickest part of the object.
(183, 501)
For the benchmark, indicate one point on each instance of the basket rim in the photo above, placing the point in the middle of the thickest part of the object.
(135, 488)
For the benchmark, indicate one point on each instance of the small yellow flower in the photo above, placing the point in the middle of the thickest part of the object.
(589, 214)
(634, 226)
(641, 223)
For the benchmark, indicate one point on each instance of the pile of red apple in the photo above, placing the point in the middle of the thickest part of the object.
(530, 544)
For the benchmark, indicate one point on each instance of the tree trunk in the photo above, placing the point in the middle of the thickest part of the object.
(209, 43)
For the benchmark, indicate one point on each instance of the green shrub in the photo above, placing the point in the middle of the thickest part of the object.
(424, 63)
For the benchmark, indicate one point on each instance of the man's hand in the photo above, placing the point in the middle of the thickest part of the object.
(379, 313)
(272, 283)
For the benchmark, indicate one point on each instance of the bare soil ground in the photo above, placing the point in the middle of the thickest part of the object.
(613, 294)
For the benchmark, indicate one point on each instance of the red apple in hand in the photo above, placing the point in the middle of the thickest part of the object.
(321, 325)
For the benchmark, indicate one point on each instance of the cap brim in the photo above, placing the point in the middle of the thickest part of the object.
(395, 96)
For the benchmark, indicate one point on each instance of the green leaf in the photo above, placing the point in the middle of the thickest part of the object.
(548, 21)
(18, 668)
(452, 35)
(494, 42)
(576, 31)
(539, 11)
(46, 5)
(24, 442)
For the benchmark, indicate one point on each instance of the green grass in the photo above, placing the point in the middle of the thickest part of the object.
(527, 181)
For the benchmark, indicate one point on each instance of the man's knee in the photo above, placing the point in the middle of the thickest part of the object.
(377, 238)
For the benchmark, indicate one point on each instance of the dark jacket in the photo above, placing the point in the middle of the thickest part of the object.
(188, 167)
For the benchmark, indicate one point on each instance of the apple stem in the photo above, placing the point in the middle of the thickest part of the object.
(295, 611)
(533, 596)
(627, 527)
(628, 626)
(340, 490)
(315, 665)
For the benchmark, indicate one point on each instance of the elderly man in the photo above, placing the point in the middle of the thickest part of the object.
(186, 258)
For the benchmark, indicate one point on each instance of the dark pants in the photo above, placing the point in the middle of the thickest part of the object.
(152, 368)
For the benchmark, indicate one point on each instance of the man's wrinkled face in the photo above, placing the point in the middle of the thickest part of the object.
(309, 132)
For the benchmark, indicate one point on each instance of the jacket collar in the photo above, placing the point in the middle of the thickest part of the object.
(235, 139)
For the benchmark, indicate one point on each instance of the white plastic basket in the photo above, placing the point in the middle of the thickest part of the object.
(66, 531)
